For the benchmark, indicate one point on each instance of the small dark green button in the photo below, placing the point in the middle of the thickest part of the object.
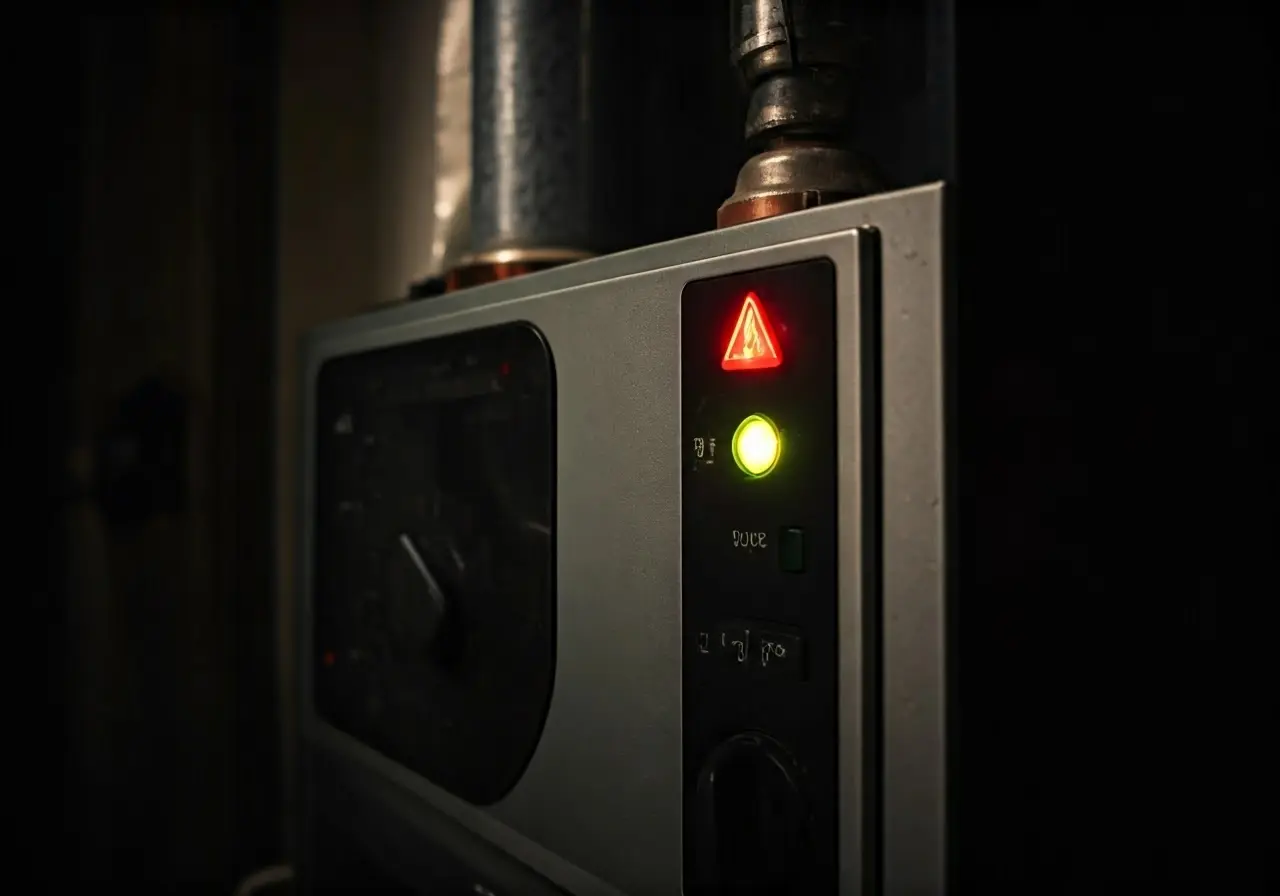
(791, 549)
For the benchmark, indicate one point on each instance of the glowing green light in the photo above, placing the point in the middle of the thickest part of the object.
(756, 445)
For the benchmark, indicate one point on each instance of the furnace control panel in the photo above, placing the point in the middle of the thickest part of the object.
(759, 454)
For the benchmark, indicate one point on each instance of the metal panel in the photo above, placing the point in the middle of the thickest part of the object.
(599, 808)
(914, 574)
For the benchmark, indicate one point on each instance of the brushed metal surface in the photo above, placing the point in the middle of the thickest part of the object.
(913, 563)
(599, 809)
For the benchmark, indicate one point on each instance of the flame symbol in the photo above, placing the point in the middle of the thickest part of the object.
(751, 339)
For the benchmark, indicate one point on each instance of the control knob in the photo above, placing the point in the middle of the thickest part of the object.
(751, 822)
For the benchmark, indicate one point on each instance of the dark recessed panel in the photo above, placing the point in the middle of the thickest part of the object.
(434, 591)
(759, 593)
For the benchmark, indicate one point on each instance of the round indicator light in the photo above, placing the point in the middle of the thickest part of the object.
(756, 445)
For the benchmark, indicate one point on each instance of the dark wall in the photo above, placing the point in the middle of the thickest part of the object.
(160, 613)
(1114, 178)
(53, 167)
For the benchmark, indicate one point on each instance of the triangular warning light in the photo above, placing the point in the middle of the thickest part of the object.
(753, 345)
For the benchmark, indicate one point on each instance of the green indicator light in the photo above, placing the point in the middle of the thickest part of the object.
(756, 445)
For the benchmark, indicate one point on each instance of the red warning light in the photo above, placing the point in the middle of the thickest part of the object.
(753, 345)
(330, 658)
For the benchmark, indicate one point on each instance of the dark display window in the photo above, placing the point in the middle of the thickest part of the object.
(434, 553)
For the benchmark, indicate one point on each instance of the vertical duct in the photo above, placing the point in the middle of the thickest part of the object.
(593, 127)
(531, 127)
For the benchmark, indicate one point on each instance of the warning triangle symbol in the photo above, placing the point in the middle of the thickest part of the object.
(753, 345)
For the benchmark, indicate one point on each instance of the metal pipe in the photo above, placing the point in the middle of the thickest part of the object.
(530, 131)
(797, 60)
(796, 57)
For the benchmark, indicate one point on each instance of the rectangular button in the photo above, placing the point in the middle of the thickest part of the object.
(732, 643)
(791, 549)
(778, 655)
